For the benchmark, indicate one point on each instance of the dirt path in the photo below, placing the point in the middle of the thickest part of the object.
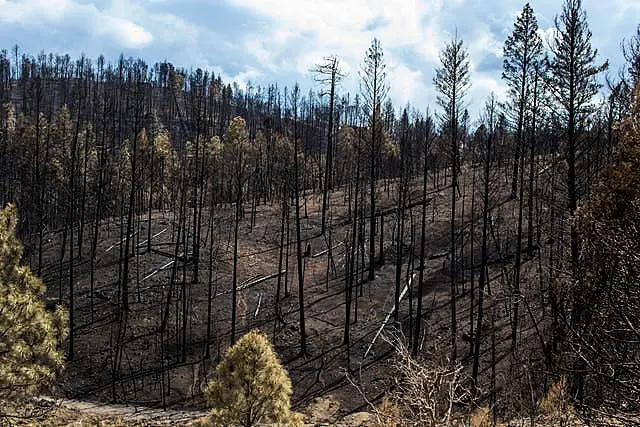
(125, 412)
(323, 411)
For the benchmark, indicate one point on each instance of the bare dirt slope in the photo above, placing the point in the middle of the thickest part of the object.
(151, 363)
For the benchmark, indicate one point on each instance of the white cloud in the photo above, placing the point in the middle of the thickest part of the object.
(408, 85)
(547, 35)
(410, 32)
(431, 44)
(33, 11)
(337, 26)
(280, 40)
(242, 78)
(175, 29)
(483, 42)
(84, 18)
(124, 33)
(483, 86)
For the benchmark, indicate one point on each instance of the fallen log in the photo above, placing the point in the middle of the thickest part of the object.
(255, 315)
(325, 251)
(181, 257)
(438, 255)
(144, 242)
(119, 243)
(252, 282)
(386, 320)
(159, 269)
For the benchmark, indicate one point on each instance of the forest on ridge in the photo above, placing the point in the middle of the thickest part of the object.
(426, 266)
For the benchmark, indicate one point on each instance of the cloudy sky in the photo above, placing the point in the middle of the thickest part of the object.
(265, 41)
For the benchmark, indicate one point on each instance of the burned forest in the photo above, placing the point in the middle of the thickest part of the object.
(425, 266)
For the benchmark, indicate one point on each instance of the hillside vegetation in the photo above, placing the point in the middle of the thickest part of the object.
(323, 256)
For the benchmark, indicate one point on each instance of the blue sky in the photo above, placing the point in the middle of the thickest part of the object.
(266, 41)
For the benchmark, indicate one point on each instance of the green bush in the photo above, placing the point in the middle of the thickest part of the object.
(250, 386)
(29, 334)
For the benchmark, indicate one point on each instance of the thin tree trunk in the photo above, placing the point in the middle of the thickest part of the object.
(484, 250)
(418, 331)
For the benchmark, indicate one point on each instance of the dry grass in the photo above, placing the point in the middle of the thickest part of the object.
(31, 414)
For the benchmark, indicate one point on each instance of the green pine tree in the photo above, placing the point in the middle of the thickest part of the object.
(250, 386)
(29, 334)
